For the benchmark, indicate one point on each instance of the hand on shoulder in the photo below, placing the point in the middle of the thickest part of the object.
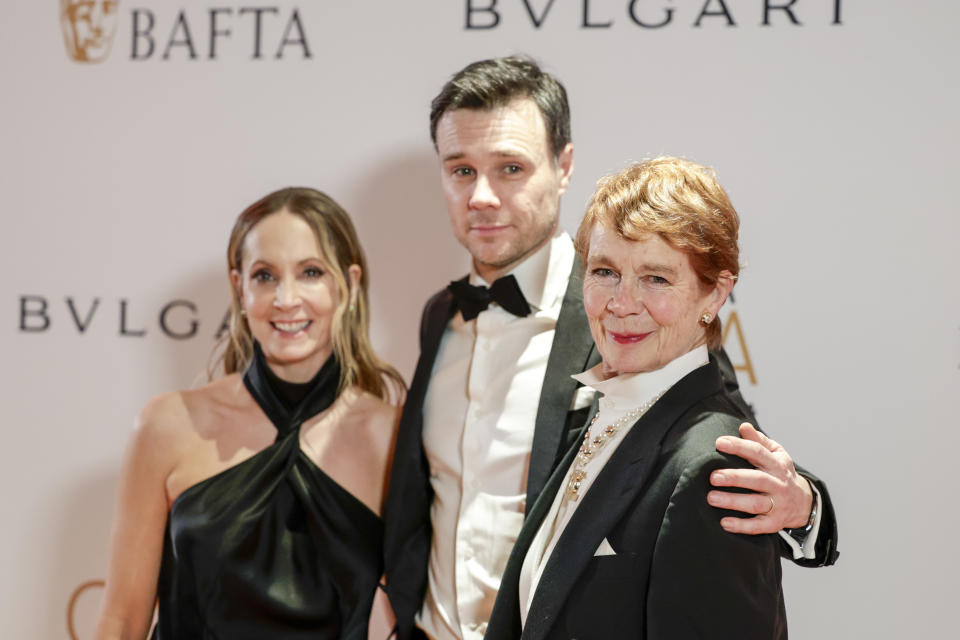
(776, 495)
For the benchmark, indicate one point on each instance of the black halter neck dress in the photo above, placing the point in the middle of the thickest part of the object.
(272, 547)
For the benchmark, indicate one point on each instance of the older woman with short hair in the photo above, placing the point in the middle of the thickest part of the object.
(621, 543)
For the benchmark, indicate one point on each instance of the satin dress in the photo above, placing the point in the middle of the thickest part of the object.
(271, 548)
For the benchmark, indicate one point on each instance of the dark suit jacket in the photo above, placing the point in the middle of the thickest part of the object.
(676, 574)
(407, 509)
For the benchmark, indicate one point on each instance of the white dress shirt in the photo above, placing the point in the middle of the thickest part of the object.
(479, 415)
(621, 394)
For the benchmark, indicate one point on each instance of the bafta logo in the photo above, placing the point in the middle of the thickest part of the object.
(88, 28)
(87, 621)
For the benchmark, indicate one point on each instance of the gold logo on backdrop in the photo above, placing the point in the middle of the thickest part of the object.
(88, 28)
(733, 321)
(72, 604)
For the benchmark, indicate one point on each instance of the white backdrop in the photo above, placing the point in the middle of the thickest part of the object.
(836, 141)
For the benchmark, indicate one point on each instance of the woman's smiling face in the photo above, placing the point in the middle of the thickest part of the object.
(644, 301)
(288, 294)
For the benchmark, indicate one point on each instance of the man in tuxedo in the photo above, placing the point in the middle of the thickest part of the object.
(492, 407)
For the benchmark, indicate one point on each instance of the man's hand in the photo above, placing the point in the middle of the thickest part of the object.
(782, 498)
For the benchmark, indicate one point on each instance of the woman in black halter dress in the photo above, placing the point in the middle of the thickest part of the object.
(249, 508)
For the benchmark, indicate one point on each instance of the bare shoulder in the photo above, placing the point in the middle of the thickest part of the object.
(372, 417)
(374, 409)
(162, 420)
(368, 422)
(171, 420)
(163, 411)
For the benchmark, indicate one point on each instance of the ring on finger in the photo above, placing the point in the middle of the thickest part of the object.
(772, 505)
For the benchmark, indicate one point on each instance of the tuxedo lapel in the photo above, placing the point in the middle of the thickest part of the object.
(570, 353)
(435, 320)
(617, 486)
(407, 510)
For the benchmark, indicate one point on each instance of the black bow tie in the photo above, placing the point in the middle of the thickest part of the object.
(505, 291)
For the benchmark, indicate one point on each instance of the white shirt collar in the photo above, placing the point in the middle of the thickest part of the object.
(540, 276)
(631, 389)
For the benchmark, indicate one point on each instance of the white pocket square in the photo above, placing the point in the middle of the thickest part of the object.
(605, 549)
(582, 398)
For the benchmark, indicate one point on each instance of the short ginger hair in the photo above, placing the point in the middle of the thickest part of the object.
(678, 200)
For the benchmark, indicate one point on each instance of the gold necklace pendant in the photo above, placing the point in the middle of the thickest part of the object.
(592, 444)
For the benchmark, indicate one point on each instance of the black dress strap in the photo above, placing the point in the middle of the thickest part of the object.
(277, 397)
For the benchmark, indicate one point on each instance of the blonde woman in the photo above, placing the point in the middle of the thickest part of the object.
(250, 507)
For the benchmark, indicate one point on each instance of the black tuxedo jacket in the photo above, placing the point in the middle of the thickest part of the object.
(407, 510)
(676, 573)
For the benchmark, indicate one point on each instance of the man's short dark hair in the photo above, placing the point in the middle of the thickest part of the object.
(489, 84)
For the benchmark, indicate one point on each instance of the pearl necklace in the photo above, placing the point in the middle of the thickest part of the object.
(593, 444)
